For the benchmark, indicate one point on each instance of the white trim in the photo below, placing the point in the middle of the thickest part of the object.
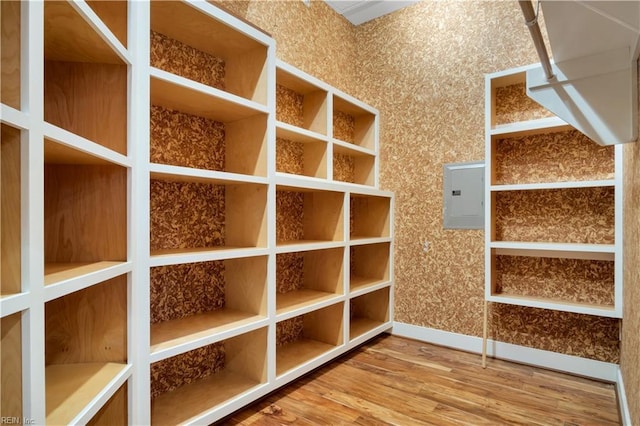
(594, 369)
(623, 404)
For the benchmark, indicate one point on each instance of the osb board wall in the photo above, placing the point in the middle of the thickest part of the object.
(552, 157)
(289, 156)
(432, 113)
(289, 214)
(289, 106)
(189, 367)
(344, 126)
(572, 280)
(178, 58)
(180, 139)
(289, 272)
(290, 330)
(578, 215)
(513, 105)
(186, 215)
(630, 346)
(180, 291)
(344, 168)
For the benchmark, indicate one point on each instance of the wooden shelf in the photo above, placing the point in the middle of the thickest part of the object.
(308, 215)
(306, 278)
(115, 411)
(11, 52)
(190, 302)
(353, 166)
(370, 265)
(300, 152)
(70, 388)
(56, 272)
(554, 185)
(240, 365)
(299, 102)
(11, 372)
(10, 219)
(199, 216)
(555, 305)
(370, 216)
(538, 126)
(554, 250)
(114, 14)
(368, 312)
(354, 123)
(198, 31)
(303, 338)
(61, 279)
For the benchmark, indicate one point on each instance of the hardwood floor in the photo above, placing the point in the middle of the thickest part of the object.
(392, 380)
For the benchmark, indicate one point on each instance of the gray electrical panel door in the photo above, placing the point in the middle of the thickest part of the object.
(464, 195)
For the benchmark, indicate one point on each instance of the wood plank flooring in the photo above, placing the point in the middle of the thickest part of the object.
(392, 380)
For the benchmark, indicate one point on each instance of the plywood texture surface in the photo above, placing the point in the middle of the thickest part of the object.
(552, 157)
(186, 215)
(344, 126)
(289, 156)
(180, 370)
(290, 330)
(10, 53)
(180, 139)
(573, 280)
(289, 272)
(289, 106)
(513, 105)
(431, 113)
(581, 215)
(11, 372)
(344, 168)
(180, 291)
(630, 345)
(178, 58)
(289, 216)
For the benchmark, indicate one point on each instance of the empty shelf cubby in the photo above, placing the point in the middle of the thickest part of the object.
(85, 346)
(369, 265)
(85, 80)
(368, 312)
(570, 215)
(114, 411)
(197, 300)
(369, 216)
(305, 337)
(301, 156)
(10, 52)
(11, 371)
(353, 124)
(193, 383)
(300, 103)
(353, 166)
(305, 215)
(187, 41)
(305, 278)
(10, 188)
(189, 215)
(114, 14)
(85, 213)
(512, 105)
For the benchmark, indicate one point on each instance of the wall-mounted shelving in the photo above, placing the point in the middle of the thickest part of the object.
(303, 338)
(354, 123)
(369, 216)
(199, 380)
(353, 165)
(367, 312)
(300, 153)
(370, 266)
(301, 100)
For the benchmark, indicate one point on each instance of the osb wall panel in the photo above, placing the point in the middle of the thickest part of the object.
(290, 330)
(289, 106)
(289, 215)
(580, 335)
(289, 272)
(431, 112)
(344, 168)
(344, 126)
(579, 215)
(180, 139)
(186, 215)
(289, 156)
(572, 280)
(513, 105)
(630, 356)
(180, 291)
(552, 157)
(178, 58)
(171, 373)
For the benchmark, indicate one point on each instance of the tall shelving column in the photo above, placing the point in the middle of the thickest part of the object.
(567, 190)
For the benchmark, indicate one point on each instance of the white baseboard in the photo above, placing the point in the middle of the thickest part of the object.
(622, 400)
(605, 371)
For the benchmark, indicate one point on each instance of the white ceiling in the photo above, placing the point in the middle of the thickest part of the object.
(360, 11)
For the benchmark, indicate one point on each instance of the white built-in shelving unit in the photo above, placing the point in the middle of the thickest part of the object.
(157, 267)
